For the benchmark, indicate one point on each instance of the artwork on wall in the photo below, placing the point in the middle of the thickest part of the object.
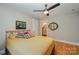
(20, 25)
(53, 26)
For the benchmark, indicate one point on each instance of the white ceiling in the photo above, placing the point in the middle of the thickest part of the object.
(28, 8)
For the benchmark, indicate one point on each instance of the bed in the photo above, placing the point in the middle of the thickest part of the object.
(37, 45)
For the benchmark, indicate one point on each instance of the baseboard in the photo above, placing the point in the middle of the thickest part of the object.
(2, 51)
(77, 44)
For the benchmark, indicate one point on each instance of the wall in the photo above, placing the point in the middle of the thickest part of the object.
(35, 26)
(68, 30)
(8, 18)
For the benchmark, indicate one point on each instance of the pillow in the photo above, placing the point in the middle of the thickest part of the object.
(28, 33)
(12, 35)
(25, 36)
(22, 35)
(19, 35)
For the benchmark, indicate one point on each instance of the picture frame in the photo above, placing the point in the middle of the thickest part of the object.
(53, 26)
(20, 25)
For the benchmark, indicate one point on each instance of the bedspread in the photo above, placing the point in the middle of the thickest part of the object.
(38, 45)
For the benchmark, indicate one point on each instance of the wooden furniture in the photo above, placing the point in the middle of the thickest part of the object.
(62, 48)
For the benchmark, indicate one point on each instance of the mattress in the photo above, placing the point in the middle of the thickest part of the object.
(38, 45)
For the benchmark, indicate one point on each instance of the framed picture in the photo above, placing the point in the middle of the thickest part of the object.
(20, 25)
(53, 26)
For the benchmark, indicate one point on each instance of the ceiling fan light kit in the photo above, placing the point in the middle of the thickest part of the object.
(46, 12)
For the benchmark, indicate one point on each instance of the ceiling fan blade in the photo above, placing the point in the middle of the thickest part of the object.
(38, 10)
(54, 6)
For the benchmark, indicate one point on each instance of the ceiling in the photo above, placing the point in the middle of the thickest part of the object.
(28, 8)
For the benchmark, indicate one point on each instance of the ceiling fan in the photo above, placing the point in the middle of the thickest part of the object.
(46, 10)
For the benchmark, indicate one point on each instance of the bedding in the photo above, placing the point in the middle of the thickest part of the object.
(38, 45)
(19, 34)
(24, 34)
